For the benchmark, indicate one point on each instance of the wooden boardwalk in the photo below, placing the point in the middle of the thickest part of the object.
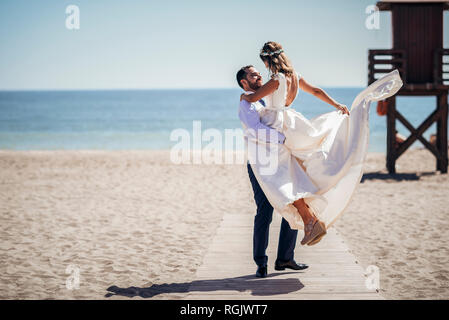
(228, 270)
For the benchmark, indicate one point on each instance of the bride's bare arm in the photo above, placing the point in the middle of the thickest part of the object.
(322, 95)
(263, 91)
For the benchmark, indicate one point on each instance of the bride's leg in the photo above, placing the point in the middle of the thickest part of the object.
(314, 229)
(303, 210)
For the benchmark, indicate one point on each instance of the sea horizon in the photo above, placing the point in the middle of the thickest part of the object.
(151, 89)
(144, 118)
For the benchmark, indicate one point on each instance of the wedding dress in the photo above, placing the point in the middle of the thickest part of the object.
(321, 159)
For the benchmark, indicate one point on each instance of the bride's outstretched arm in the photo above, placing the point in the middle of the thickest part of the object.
(322, 95)
(263, 91)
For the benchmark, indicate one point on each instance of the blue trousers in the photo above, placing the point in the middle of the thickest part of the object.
(262, 220)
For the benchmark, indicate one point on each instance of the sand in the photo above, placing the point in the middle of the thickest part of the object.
(400, 224)
(124, 218)
(133, 218)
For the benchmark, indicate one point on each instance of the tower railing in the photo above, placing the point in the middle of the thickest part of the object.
(383, 61)
(441, 67)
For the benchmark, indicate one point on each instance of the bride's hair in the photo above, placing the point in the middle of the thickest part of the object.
(277, 60)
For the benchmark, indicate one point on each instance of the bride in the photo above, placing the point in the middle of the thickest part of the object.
(321, 161)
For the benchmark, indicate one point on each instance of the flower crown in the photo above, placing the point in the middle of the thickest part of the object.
(264, 54)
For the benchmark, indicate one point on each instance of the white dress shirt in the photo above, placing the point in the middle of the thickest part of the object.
(250, 118)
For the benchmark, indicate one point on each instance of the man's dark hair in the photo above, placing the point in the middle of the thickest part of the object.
(241, 74)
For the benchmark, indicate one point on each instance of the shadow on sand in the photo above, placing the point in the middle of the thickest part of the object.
(396, 176)
(257, 286)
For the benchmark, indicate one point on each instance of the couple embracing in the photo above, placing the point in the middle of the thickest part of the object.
(319, 161)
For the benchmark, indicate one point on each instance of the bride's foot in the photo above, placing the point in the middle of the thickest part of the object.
(316, 240)
(313, 230)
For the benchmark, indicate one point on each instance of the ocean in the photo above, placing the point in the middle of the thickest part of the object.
(144, 119)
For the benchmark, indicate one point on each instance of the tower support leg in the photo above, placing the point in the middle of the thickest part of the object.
(442, 161)
(391, 135)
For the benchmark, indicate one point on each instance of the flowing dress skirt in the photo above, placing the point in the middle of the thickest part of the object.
(321, 160)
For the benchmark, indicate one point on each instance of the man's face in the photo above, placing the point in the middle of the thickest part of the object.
(253, 78)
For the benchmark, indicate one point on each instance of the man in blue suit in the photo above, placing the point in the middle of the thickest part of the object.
(249, 79)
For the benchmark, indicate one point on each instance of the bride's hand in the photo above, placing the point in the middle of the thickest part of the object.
(343, 108)
(242, 96)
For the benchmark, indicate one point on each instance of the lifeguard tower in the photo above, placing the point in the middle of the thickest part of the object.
(419, 56)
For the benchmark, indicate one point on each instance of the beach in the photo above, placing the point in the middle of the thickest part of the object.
(134, 218)
(399, 224)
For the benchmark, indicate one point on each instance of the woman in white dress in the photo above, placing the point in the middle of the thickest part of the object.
(321, 161)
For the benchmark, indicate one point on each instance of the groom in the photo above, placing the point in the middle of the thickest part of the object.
(249, 79)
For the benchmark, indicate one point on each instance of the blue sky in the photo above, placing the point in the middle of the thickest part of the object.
(182, 44)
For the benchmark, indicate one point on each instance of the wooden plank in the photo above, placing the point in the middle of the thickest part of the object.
(228, 269)
(229, 273)
(327, 296)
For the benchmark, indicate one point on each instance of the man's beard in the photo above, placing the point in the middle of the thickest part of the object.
(254, 86)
